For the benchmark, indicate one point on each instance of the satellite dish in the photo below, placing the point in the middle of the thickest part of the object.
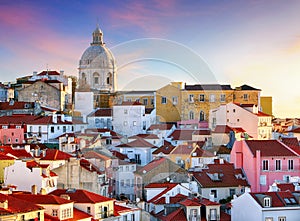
(138, 200)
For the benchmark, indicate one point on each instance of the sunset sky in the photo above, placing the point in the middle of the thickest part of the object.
(155, 42)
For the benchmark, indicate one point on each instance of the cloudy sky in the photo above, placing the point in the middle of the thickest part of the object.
(155, 42)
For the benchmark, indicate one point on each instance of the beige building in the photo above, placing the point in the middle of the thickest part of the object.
(192, 103)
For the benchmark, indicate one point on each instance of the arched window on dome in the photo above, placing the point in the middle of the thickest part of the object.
(109, 79)
(83, 78)
(96, 78)
(201, 116)
(191, 115)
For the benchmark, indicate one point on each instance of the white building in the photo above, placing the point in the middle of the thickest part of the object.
(130, 118)
(266, 206)
(25, 175)
(257, 124)
(100, 118)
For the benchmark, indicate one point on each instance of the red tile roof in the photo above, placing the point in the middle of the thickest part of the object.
(222, 129)
(165, 149)
(120, 209)
(278, 198)
(95, 155)
(42, 199)
(137, 143)
(119, 155)
(144, 136)
(79, 215)
(185, 149)
(269, 148)
(178, 215)
(199, 152)
(48, 73)
(82, 196)
(173, 199)
(52, 154)
(161, 127)
(186, 134)
(221, 175)
(16, 205)
(89, 166)
(102, 112)
(190, 202)
(16, 105)
(152, 165)
(3, 156)
(17, 153)
(261, 114)
(286, 187)
(129, 103)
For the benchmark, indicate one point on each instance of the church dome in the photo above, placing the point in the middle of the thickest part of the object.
(97, 55)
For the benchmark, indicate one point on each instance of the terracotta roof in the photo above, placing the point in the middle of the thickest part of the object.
(52, 154)
(119, 155)
(48, 73)
(222, 129)
(269, 148)
(292, 142)
(208, 87)
(161, 127)
(152, 165)
(129, 103)
(286, 187)
(102, 112)
(95, 155)
(296, 130)
(16, 205)
(185, 149)
(137, 143)
(165, 149)
(17, 153)
(81, 196)
(277, 198)
(79, 215)
(119, 209)
(221, 175)
(186, 134)
(178, 215)
(144, 136)
(16, 105)
(89, 166)
(173, 199)
(199, 152)
(261, 114)
(42, 199)
(3, 156)
(190, 202)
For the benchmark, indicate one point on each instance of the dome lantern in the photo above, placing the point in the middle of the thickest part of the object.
(97, 37)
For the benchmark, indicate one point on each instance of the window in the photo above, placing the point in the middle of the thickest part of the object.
(191, 98)
(88, 209)
(122, 183)
(263, 179)
(145, 101)
(64, 129)
(265, 165)
(290, 164)
(23, 217)
(212, 214)
(281, 218)
(201, 97)
(96, 80)
(163, 100)
(52, 129)
(222, 98)
(245, 96)
(174, 100)
(54, 212)
(214, 192)
(17, 140)
(201, 117)
(4, 127)
(277, 164)
(132, 217)
(269, 219)
(18, 127)
(134, 123)
(191, 115)
(212, 98)
(231, 192)
(267, 202)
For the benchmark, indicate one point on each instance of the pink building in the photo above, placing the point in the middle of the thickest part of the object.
(265, 161)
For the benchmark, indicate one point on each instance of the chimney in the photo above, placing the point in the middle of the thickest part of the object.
(167, 197)
(34, 73)
(54, 118)
(221, 161)
(43, 191)
(44, 153)
(34, 189)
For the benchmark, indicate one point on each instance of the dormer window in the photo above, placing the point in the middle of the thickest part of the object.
(267, 202)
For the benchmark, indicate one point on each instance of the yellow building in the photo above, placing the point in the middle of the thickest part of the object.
(193, 102)
(266, 105)
(168, 102)
(5, 161)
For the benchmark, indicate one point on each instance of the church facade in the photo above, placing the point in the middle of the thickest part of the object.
(97, 71)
